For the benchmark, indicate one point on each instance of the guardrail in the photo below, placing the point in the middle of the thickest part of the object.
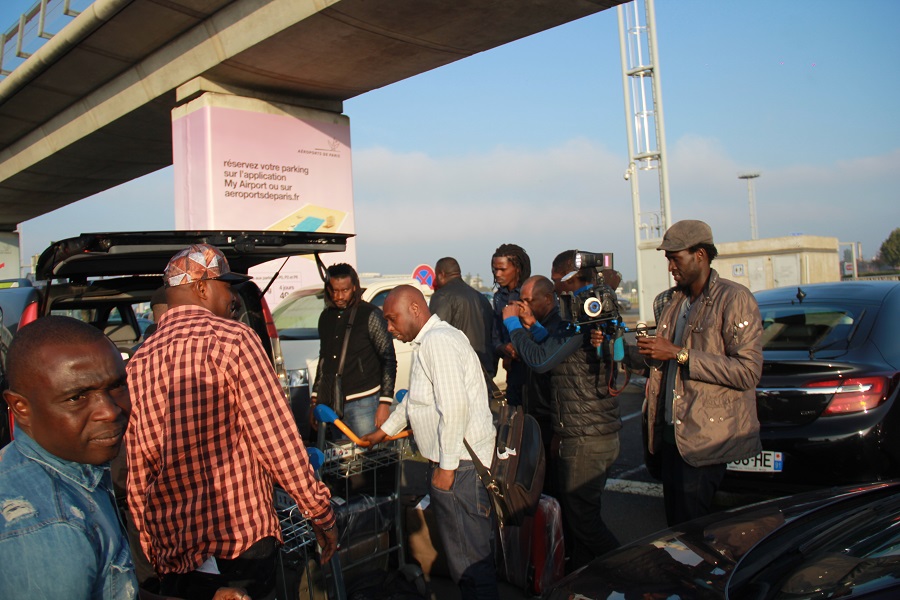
(35, 26)
(894, 277)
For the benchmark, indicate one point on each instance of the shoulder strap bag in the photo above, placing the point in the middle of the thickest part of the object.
(516, 475)
(338, 398)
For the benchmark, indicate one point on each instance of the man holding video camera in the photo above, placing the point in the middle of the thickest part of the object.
(585, 416)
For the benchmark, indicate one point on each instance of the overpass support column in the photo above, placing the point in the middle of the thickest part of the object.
(254, 162)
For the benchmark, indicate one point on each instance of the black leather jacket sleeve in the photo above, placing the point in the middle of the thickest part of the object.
(440, 306)
(383, 343)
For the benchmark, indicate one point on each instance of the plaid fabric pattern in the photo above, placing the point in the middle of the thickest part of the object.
(209, 431)
(660, 302)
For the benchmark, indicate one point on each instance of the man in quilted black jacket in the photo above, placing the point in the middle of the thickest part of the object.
(370, 365)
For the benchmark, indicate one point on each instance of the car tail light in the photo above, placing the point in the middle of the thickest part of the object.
(29, 315)
(855, 394)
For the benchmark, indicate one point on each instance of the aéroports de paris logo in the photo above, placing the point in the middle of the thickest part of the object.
(331, 149)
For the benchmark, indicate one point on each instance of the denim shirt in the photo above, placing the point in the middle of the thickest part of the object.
(60, 533)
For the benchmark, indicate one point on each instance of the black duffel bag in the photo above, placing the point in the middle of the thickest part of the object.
(516, 475)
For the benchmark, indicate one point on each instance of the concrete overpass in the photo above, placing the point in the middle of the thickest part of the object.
(91, 108)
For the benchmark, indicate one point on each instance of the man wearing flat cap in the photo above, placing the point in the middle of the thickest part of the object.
(210, 433)
(701, 401)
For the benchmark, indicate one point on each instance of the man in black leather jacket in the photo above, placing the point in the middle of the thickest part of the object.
(585, 416)
(370, 365)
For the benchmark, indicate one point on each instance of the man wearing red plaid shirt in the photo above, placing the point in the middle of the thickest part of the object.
(210, 433)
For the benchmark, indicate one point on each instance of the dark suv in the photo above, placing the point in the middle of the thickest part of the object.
(106, 279)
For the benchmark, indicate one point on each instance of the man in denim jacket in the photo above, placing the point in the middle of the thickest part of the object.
(60, 532)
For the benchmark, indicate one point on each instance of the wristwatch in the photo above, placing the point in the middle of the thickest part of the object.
(682, 356)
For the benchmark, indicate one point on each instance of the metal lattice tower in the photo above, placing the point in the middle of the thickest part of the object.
(751, 201)
(646, 142)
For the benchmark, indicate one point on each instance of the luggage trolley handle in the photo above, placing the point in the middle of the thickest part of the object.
(325, 414)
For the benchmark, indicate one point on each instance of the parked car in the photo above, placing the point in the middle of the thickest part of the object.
(296, 320)
(18, 300)
(16, 296)
(624, 303)
(830, 543)
(107, 278)
(5, 422)
(827, 401)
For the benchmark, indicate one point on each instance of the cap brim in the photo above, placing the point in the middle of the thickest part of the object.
(669, 247)
(234, 278)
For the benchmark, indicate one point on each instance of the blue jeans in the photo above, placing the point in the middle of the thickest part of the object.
(359, 416)
(466, 530)
(582, 466)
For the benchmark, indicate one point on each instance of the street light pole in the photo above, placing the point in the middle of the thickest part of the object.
(754, 233)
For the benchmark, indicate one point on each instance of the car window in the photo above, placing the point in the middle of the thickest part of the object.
(115, 321)
(299, 312)
(104, 314)
(800, 327)
(114, 317)
(88, 315)
(378, 299)
(143, 322)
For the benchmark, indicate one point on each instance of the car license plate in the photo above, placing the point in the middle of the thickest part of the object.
(766, 461)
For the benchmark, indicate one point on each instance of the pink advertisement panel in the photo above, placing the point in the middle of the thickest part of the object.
(244, 169)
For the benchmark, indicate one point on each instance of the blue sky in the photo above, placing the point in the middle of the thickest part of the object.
(526, 143)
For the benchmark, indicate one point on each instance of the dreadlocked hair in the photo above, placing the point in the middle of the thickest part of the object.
(518, 257)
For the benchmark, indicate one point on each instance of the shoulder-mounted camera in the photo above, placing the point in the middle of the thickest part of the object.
(596, 302)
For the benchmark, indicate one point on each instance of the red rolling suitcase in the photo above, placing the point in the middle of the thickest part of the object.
(531, 556)
(548, 554)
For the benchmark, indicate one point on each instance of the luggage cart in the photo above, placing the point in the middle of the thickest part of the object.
(300, 576)
(349, 463)
(343, 466)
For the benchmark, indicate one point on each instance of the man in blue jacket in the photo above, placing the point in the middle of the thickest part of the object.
(60, 533)
(510, 266)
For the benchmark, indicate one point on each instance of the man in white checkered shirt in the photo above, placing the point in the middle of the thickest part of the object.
(447, 402)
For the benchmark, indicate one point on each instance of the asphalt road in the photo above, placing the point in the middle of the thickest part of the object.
(632, 502)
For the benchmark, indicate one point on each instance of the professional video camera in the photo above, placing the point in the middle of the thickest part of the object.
(595, 303)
